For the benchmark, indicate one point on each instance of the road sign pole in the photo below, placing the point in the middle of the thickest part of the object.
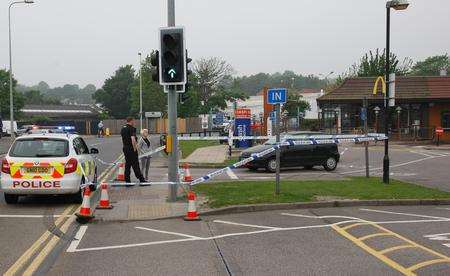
(172, 114)
(366, 143)
(277, 151)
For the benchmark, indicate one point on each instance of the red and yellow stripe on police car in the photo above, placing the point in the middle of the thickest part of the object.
(19, 170)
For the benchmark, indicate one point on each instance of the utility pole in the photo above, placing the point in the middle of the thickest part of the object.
(140, 90)
(172, 114)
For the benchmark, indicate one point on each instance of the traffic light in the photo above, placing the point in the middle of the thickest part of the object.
(154, 60)
(172, 56)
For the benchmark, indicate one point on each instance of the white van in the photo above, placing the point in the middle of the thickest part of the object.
(6, 130)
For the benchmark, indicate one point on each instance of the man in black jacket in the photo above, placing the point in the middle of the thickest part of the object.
(130, 150)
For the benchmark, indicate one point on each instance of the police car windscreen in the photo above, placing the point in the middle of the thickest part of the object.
(40, 147)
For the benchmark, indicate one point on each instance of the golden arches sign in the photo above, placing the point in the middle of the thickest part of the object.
(383, 86)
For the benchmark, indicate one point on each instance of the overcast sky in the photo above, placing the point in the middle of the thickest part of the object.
(85, 41)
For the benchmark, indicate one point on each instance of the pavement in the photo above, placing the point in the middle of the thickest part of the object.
(210, 155)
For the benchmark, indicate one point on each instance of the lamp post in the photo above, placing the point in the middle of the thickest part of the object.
(377, 111)
(399, 110)
(11, 98)
(396, 5)
(140, 89)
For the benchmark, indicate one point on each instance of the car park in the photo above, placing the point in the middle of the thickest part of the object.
(47, 164)
(307, 156)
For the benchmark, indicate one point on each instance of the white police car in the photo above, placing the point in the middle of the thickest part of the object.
(47, 164)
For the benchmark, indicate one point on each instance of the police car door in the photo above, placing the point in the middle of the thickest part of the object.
(84, 159)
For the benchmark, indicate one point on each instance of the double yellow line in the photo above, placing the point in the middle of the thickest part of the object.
(63, 223)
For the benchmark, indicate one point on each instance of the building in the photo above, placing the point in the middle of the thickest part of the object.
(83, 117)
(421, 105)
(311, 95)
(254, 103)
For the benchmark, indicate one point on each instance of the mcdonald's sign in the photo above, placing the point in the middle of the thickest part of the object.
(383, 86)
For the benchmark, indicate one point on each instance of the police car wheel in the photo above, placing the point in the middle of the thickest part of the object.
(11, 199)
(271, 165)
(330, 164)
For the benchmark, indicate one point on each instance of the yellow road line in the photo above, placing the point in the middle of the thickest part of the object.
(372, 251)
(427, 263)
(354, 225)
(68, 212)
(380, 254)
(392, 249)
(47, 249)
(14, 269)
(374, 235)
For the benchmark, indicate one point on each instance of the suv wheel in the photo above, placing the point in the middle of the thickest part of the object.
(11, 199)
(271, 165)
(330, 164)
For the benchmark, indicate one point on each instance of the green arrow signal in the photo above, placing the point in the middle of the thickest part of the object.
(172, 73)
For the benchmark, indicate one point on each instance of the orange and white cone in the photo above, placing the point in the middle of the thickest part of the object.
(187, 173)
(104, 198)
(192, 214)
(85, 214)
(121, 173)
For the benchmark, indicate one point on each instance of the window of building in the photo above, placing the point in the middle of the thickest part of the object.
(445, 119)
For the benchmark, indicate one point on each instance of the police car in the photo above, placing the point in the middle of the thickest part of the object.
(47, 164)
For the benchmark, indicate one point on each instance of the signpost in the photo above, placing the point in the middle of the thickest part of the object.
(439, 133)
(276, 97)
(242, 124)
(366, 143)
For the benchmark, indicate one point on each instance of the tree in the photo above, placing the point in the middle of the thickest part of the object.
(153, 97)
(295, 104)
(214, 84)
(36, 97)
(4, 96)
(114, 96)
(431, 66)
(372, 64)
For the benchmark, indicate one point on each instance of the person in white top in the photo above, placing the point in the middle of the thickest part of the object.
(144, 147)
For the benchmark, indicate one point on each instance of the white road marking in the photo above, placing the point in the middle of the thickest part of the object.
(318, 217)
(78, 236)
(231, 174)
(30, 216)
(96, 144)
(342, 152)
(439, 237)
(443, 208)
(243, 224)
(394, 166)
(421, 153)
(167, 232)
(253, 233)
(404, 214)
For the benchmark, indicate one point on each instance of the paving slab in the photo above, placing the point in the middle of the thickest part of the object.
(213, 154)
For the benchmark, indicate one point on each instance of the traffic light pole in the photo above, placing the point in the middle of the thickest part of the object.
(172, 113)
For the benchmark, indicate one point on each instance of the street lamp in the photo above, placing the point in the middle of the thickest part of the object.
(399, 110)
(11, 98)
(377, 111)
(396, 5)
(140, 89)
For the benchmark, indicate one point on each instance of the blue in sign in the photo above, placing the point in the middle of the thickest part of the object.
(276, 95)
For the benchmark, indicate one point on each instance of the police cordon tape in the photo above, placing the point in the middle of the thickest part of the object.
(337, 139)
(380, 136)
(87, 182)
(140, 156)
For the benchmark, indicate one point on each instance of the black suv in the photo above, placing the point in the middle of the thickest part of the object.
(308, 156)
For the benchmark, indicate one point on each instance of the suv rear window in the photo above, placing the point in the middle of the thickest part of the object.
(40, 147)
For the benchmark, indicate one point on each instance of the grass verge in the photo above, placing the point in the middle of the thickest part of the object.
(258, 192)
(188, 147)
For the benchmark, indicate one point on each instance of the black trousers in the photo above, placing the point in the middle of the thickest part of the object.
(132, 161)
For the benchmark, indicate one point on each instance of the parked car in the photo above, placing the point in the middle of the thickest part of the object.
(47, 164)
(307, 156)
(6, 129)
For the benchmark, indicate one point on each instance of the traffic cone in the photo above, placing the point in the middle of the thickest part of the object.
(187, 173)
(104, 198)
(192, 214)
(85, 214)
(121, 173)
